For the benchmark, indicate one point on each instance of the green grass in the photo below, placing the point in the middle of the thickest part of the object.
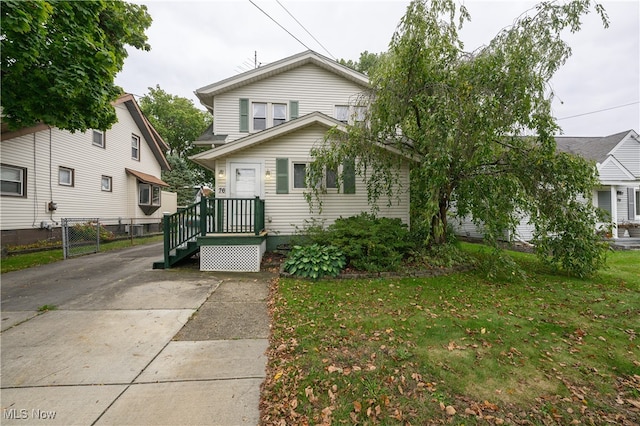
(550, 349)
(22, 261)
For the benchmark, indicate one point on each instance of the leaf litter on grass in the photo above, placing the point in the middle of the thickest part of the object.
(456, 348)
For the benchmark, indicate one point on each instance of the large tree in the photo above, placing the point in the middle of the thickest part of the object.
(179, 123)
(60, 59)
(175, 118)
(479, 129)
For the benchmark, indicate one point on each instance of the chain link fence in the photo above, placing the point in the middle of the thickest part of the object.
(84, 235)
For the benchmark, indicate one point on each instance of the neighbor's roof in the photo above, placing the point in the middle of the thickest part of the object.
(590, 147)
(206, 93)
(156, 143)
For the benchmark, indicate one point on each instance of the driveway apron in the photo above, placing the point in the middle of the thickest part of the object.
(125, 344)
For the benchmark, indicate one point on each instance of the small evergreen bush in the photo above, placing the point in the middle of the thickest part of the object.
(373, 244)
(315, 261)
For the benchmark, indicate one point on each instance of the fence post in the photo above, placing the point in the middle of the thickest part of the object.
(65, 238)
(166, 230)
(97, 235)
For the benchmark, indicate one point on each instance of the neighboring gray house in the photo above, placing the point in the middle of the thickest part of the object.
(617, 159)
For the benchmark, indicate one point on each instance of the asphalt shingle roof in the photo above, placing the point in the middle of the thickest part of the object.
(589, 147)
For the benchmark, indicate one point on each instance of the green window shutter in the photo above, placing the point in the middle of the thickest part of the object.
(282, 175)
(349, 176)
(293, 110)
(244, 115)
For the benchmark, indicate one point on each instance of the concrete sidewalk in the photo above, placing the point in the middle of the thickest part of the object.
(153, 347)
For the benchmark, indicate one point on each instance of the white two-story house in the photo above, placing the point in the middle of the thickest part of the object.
(112, 175)
(265, 123)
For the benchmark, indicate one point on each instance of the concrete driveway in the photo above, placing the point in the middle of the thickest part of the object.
(111, 351)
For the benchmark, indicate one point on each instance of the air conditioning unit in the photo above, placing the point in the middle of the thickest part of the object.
(134, 230)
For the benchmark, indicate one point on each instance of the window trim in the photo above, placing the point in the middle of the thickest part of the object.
(269, 113)
(22, 182)
(102, 143)
(110, 180)
(294, 163)
(253, 116)
(136, 138)
(151, 193)
(72, 176)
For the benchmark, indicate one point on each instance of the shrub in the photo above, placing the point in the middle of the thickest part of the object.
(87, 232)
(370, 243)
(315, 261)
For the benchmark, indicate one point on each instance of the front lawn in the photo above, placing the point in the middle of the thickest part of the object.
(457, 349)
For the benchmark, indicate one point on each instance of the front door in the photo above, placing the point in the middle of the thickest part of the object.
(246, 182)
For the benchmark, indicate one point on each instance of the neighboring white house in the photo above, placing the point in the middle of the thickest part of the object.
(617, 159)
(49, 174)
(265, 122)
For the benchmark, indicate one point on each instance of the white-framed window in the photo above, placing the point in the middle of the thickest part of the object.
(105, 183)
(148, 195)
(279, 114)
(360, 113)
(135, 147)
(65, 176)
(259, 111)
(98, 138)
(299, 175)
(155, 195)
(331, 178)
(342, 113)
(14, 181)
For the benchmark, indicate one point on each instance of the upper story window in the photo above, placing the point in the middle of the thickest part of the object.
(98, 138)
(342, 113)
(350, 114)
(14, 181)
(105, 183)
(135, 147)
(279, 113)
(65, 176)
(259, 116)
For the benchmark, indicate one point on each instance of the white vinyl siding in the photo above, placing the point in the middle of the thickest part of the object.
(314, 89)
(628, 154)
(75, 151)
(290, 210)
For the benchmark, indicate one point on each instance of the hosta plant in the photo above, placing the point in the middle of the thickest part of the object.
(315, 261)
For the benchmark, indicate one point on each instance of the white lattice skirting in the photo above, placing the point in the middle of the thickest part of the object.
(235, 258)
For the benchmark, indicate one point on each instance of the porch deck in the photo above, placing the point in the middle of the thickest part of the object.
(231, 229)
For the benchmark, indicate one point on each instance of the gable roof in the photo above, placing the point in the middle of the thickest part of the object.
(595, 148)
(207, 93)
(267, 134)
(154, 140)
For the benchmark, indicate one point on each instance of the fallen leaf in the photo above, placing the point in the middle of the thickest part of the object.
(450, 410)
(357, 407)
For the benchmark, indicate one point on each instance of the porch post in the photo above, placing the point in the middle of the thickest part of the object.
(203, 216)
(614, 211)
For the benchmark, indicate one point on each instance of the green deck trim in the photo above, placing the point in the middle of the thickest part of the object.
(231, 240)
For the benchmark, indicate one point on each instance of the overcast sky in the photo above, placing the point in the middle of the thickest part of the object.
(196, 43)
